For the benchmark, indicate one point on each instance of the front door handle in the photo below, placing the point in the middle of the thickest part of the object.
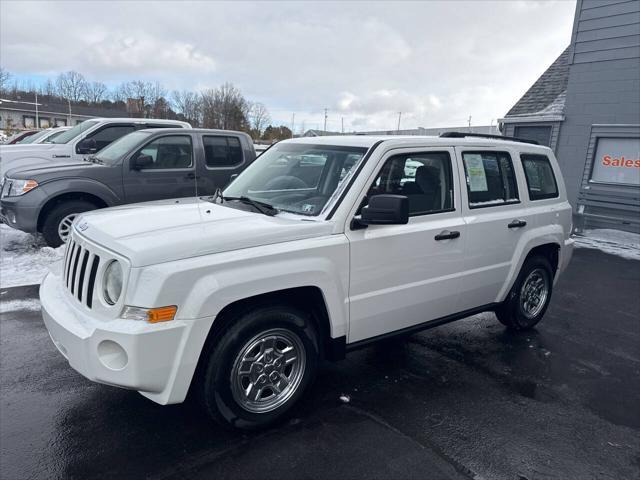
(447, 235)
(190, 176)
(517, 224)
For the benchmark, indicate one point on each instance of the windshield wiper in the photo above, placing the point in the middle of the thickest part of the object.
(262, 207)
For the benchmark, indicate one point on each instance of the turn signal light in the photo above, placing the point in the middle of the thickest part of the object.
(151, 315)
(161, 314)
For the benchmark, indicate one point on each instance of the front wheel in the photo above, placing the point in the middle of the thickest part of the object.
(529, 297)
(258, 367)
(57, 225)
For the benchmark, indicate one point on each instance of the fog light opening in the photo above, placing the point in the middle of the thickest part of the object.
(112, 355)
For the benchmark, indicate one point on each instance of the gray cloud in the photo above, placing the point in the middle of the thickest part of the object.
(437, 62)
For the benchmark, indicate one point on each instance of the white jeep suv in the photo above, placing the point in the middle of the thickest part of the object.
(321, 246)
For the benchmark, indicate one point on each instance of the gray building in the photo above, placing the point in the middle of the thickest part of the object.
(25, 113)
(586, 107)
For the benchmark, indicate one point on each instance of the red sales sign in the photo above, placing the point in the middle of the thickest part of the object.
(617, 160)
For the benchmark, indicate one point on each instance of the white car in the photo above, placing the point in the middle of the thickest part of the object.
(77, 143)
(43, 136)
(320, 246)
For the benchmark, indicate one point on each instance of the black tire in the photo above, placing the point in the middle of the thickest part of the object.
(511, 312)
(57, 214)
(214, 383)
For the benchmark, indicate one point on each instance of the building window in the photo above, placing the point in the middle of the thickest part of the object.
(44, 122)
(29, 122)
(60, 122)
(617, 160)
(541, 134)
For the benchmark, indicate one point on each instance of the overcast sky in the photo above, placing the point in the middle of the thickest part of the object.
(437, 62)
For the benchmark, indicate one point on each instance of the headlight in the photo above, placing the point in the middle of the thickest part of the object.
(112, 282)
(20, 187)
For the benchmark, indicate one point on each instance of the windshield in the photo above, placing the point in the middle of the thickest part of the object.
(34, 137)
(295, 177)
(54, 135)
(69, 135)
(112, 153)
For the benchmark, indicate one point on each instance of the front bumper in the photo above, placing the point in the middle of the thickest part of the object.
(158, 360)
(21, 212)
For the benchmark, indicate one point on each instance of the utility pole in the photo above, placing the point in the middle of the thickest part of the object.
(469, 122)
(69, 102)
(293, 122)
(399, 117)
(342, 121)
(325, 119)
(37, 117)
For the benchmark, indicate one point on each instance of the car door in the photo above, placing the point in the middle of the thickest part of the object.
(223, 157)
(496, 214)
(171, 173)
(104, 136)
(404, 275)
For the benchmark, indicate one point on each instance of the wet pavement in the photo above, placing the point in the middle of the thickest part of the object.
(463, 400)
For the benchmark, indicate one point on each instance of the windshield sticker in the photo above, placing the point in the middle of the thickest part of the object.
(475, 172)
(308, 208)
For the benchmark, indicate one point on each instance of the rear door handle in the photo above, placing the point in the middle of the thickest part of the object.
(190, 176)
(517, 224)
(447, 235)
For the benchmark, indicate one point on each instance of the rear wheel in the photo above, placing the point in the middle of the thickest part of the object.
(529, 297)
(258, 367)
(57, 225)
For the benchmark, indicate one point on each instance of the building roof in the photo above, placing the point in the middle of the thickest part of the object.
(546, 96)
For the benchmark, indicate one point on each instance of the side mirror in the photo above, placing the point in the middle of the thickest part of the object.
(386, 210)
(87, 145)
(142, 161)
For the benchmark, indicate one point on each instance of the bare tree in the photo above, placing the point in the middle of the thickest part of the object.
(70, 85)
(4, 79)
(225, 108)
(143, 98)
(189, 104)
(259, 118)
(95, 92)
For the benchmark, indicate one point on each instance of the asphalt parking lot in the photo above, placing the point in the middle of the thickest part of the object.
(465, 400)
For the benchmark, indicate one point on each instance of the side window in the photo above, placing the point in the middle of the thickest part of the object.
(222, 151)
(108, 134)
(490, 179)
(424, 178)
(541, 181)
(169, 152)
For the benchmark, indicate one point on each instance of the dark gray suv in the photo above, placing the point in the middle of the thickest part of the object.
(151, 164)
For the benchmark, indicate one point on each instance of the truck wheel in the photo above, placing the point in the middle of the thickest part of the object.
(529, 297)
(258, 367)
(57, 226)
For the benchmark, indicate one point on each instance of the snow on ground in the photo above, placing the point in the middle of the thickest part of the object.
(32, 305)
(615, 242)
(24, 258)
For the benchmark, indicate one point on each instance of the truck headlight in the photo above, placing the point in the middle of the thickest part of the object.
(20, 187)
(112, 282)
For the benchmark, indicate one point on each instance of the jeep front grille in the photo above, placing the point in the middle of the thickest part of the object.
(80, 270)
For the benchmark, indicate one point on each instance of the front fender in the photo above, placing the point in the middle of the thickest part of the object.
(61, 186)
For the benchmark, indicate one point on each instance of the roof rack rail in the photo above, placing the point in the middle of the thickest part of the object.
(486, 135)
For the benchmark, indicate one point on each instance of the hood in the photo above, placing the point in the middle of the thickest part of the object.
(47, 170)
(163, 231)
(27, 155)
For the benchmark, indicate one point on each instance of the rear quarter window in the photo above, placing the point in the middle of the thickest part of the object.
(541, 181)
